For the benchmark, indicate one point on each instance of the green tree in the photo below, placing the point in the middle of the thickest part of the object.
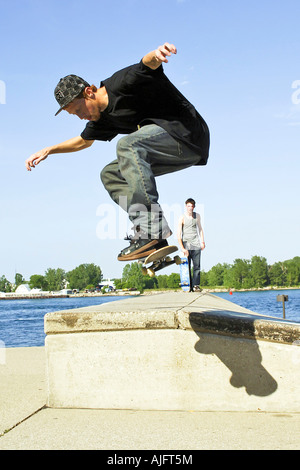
(84, 275)
(162, 281)
(296, 264)
(173, 281)
(5, 285)
(118, 283)
(132, 277)
(38, 281)
(228, 276)
(204, 279)
(259, 271)
(55, 278)
(19, 279)
(216, 275)
(277, 275)
(150, 282)
(241, 277)
(292, 268)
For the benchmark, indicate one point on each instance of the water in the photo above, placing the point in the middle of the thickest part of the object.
(265, 302)
(22, 321)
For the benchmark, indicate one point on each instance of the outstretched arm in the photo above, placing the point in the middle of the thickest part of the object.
(155, 58)
(72, 145)
(201, 233)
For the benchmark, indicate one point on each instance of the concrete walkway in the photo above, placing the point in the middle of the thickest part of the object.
(26, 423)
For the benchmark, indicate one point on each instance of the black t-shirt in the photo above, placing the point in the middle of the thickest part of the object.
(138, 96)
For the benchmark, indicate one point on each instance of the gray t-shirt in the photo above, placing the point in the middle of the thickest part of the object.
(190, 237)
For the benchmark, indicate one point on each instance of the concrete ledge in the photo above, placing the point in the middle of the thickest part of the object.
(180, 351)
(243, 326)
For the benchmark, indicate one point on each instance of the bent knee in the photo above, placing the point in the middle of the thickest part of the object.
(103, 175)
(106, 174)
(123, 143)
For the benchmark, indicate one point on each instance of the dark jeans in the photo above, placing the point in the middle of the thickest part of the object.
(195, 257)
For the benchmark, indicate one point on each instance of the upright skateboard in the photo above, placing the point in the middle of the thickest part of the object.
(185, 275)
(160, 259)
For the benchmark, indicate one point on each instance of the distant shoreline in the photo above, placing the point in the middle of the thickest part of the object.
(11, 296)
(223, 290)
(64, 296)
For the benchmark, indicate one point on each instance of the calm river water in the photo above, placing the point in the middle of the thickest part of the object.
(265, 302)
(22, 321)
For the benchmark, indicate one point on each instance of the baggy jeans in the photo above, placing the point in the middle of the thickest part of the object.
(130, 180)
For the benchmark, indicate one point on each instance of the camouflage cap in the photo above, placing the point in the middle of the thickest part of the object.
(67, 89)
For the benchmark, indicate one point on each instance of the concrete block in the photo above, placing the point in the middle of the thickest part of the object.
(183, 353)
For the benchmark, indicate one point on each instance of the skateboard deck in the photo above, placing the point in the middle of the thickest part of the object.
(160, 259)
(185, 275)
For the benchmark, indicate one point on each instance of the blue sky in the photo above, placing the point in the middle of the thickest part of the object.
(237, 62)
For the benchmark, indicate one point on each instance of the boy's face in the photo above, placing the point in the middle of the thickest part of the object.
(84, 108)
(190, 208)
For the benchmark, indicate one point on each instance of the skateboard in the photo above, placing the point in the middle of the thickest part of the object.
(185, 275)
(160, 259)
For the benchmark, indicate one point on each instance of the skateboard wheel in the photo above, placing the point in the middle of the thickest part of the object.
(144, 271)
(150, 272)
(177, 260)
(168, 259)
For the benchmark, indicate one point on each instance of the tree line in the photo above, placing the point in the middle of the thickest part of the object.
(241, 274)
(85, 276)
(254, 273)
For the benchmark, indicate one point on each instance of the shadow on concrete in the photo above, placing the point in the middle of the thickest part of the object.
(241, 356)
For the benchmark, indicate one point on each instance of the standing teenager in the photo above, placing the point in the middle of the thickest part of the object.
(191, 240)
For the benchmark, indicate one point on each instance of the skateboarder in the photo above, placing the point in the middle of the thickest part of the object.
(189, 231)
(163, 133)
